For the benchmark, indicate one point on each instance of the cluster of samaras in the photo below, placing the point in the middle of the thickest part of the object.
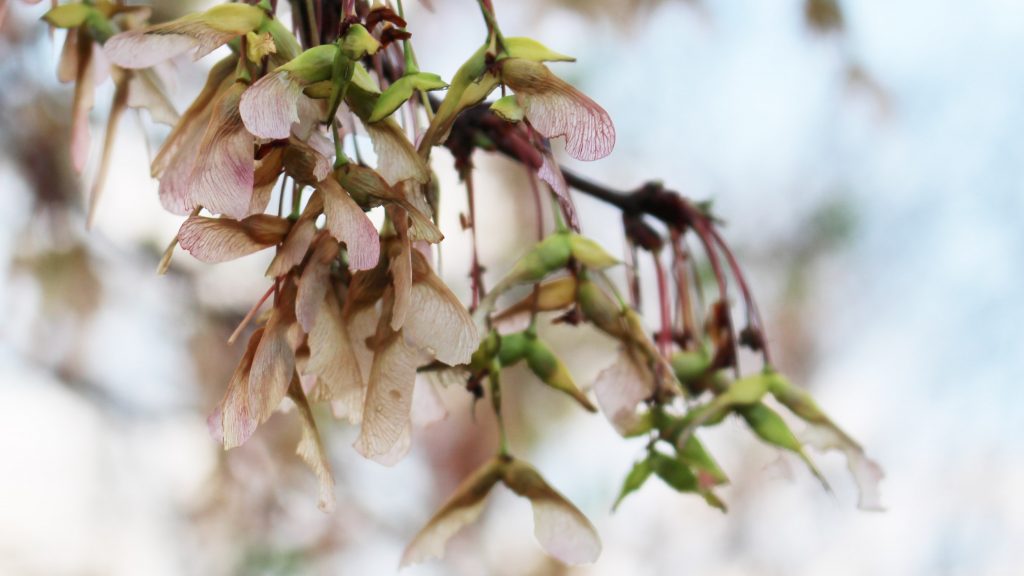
(356, 309)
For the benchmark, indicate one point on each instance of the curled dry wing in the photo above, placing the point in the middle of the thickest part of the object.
(299, 238)
(397, 160)
(233, 422)
(866, 472)
(550, 173)
(554, 108)
(311, 448)
(215, 240)
(273, 365)
(222, 178)
(314, 282)
(174, 163)
(270, 107)
(400, 268)
(562, 530)
(438, 322)
(621, 387)
(461, 509)
(386, 415)
(332, 359)
(364, 182)
(347, 223)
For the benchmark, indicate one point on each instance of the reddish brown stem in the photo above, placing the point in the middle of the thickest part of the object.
(476, 272)
(665, 306)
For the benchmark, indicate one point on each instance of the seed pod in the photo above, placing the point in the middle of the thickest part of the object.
(69, 15)
(507, 108)
(639, 474)
(548, 255)
(513, 348)
(600, 309)
(694, 454)
(771, 428)
(673, 472)
(680, 477)
(551, 371)
(485, 353)
(530, 49)
(402, 90)
(798, 401)
(590, 253)
(545, 257)
(358, 42)
(313, 65)
(304, 163)
(549, 296)
(690, 367)
(747, 390)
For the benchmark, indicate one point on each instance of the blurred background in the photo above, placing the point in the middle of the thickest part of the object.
(868, 158)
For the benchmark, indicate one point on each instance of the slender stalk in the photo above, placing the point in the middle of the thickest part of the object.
(476, 273)
(251, 313)
(494, 378)
(311, 24)
(340, 158)
(494, 35)
(664, 306)
(685, 303)
(632, 277)
(539, 217)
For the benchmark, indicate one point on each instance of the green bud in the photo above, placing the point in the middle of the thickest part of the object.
(547, 256)
(362, 80)
(694, 454)
(590, 253)
(313, 65)
(513, 348)
(485, 353)
(548, 296)
(358, 42)
(690, 366)
(543, 362)
(639, 474)
(453, 102)
(341, 76)
(236, 18)
(402, 90)
(99, 27)
(680, 477)
(600, 310)
(742, 392)
(68, 15)
(798, 401)
(770, 427)
(530, 49)
(747, 390)
(673, 472)
(507, 108)
(801, 403)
